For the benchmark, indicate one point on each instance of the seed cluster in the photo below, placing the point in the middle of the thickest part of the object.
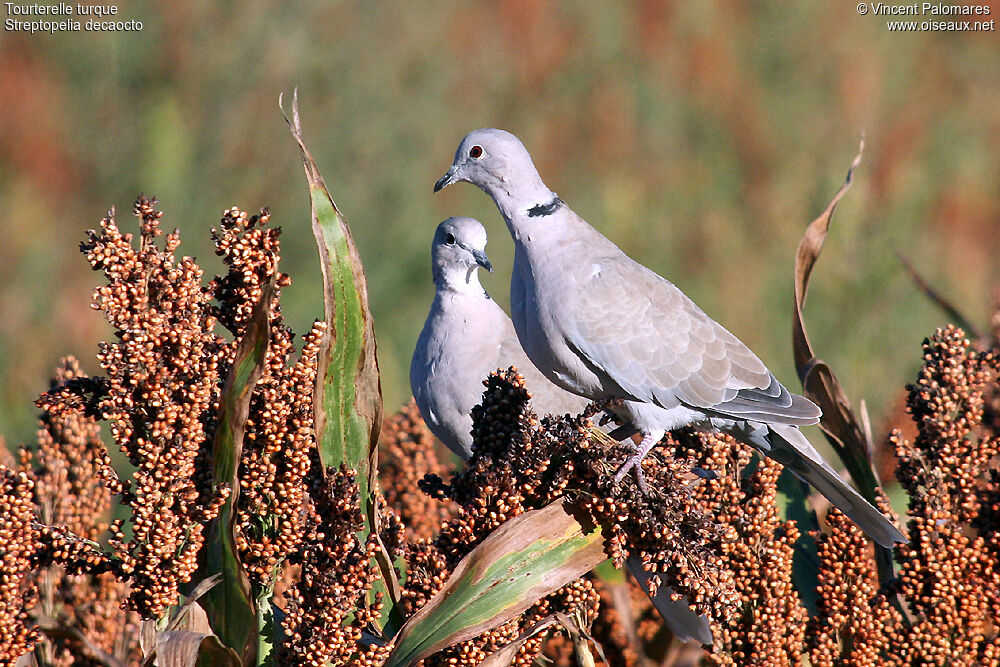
(854, 616)
(250, 248)
(271, 509)
(948, 573)
(275, 462)
(160, 394)
(336, 575)
(18, 545)
(67, 468)
(521, 463)
(68, 487)
(74, 506)
(407, 454)
(765, 623)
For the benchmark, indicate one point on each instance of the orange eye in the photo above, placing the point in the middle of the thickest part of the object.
(476, 152)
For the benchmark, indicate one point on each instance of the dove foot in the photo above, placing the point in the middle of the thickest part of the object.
(635, 461)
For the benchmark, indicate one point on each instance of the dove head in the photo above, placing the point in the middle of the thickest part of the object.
(458, 250)
(498, 163)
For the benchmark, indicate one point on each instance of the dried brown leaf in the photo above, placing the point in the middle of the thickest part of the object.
(183, 648)
(820, 383)
(505, 656)
(840, 425)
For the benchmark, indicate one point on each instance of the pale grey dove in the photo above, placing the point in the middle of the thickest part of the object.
(601, 325)
(466, 337)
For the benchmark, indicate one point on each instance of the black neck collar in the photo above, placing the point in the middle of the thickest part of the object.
(540, 210)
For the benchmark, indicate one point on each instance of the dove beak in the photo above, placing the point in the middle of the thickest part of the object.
(447, 179)
(482, 260)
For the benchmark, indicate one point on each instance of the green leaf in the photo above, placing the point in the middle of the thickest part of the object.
(348, 393)
(229, 604)
(524, 560)
(609, 574)
(267, 628)
(348, 398)
(794, 502)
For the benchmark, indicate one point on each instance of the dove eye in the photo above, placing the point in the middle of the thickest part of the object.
(476, 152)
(450, 239)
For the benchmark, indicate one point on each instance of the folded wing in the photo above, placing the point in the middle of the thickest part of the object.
(647, 337)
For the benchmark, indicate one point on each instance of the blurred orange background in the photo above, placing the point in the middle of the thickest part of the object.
(700, 136)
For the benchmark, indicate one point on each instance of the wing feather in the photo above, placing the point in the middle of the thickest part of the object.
(660, 347)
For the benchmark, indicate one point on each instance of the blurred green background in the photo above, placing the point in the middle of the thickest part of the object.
(701, 136)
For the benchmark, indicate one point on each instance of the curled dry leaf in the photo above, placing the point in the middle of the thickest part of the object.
(954, 315)
(839, 423)
(505, 656)
(184, 648)
(820, 383)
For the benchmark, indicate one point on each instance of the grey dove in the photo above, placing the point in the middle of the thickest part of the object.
(466, 337)
(601, 325)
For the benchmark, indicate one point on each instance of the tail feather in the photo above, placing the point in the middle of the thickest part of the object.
(789, 447)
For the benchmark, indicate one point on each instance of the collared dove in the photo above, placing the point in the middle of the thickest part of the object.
(466, 337)
(601, 325)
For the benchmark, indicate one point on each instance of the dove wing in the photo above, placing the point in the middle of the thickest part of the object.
(658, 346)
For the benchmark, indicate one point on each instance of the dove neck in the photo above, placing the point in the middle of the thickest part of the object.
(530, 194)
(457, 278)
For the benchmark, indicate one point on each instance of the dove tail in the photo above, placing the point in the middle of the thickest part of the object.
(792, 449)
